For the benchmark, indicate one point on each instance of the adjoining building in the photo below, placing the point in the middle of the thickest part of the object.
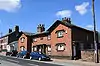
(9, 41)
(62, 39)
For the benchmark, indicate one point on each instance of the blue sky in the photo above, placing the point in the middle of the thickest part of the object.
(29, 13)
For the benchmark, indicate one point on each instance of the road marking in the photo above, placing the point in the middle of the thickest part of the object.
(13, 60)
(32, 64)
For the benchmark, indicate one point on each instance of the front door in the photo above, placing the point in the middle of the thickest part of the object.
(76, 51)
(41, 48)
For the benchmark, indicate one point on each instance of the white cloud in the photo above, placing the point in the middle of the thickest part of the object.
(82, 9)
(64, 13)
(89, 26)
(10, 5)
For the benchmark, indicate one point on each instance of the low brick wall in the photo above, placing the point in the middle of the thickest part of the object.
(88, 55)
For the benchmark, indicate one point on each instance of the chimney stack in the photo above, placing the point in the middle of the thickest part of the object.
(10, 30)
(17, 28)
(65, 19)
(40, 28)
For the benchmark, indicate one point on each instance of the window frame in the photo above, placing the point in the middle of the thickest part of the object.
(60, 44)
(48, 37)
(22, 39)
(60, 33)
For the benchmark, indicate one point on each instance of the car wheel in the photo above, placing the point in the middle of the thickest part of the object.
(40, 59)
(30, 57)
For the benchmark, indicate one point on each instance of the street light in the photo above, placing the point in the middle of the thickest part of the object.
(95, 44)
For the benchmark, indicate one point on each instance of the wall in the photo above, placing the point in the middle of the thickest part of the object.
(22, 43)
(88, 55)
(65, 39)
(84, 36)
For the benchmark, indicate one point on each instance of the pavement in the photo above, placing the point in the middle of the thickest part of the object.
(62, 62)
(75, 62)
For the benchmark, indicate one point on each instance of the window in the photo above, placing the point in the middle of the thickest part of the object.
(49, 37)
(34, 48)
(49, 47)
(22, 48)
(22, 39)
(60, 33)
(60, 46)
(34, 39)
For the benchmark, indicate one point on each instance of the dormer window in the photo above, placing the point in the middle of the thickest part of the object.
(22, 39)
(60, 33)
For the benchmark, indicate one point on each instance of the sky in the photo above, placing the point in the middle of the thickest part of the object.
(27, 14)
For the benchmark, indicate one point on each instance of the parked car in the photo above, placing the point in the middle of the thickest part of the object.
(14, 53)
(22, 54)
(8, 53)
(39, 56)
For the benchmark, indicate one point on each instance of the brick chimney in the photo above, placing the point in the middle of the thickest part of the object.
(40, 28)
(65, 19)
(17, 28)
(10, 30)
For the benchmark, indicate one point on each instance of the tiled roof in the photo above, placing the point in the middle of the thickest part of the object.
(28, 33)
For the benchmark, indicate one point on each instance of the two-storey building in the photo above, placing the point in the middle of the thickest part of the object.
(62, 39)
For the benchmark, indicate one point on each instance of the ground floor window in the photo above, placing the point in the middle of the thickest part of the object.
(48, 47)
(60, 46)
(34, 48)
(22, 48)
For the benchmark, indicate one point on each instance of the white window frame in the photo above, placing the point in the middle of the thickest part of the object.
(60, 47)
(49, 47)
(22, 39)
(34, 39)
(49, 37)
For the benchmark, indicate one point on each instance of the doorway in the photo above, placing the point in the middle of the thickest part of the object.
(76, 51)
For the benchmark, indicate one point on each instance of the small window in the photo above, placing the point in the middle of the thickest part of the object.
(34, 39)
(60, 46)
(49, 37)
(34, 48)
(22, 39)
(60, 33)
(22, 48)
(49, 47)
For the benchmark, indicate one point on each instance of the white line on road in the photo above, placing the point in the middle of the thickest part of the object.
(32, 64)
(13, 60)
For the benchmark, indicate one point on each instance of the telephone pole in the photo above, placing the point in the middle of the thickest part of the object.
(95, 43)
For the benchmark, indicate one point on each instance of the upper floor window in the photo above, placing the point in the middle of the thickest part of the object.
(60, 33)
(49, 37)
(34, 39)
(22, 39)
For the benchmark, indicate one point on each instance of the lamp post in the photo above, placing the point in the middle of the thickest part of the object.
(95, 43)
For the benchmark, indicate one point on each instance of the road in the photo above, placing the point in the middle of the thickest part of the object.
(23, 62)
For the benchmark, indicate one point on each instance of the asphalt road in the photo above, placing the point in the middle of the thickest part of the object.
(26, 62)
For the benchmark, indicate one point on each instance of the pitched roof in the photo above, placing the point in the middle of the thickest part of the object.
(66, 24)
(28, 33)
(7, 34)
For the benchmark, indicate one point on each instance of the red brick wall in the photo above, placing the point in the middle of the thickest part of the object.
(22, 43)
(54, 40)
(44, 41)
(65, 39)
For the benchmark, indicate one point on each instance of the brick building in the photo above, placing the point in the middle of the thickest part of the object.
(62, 39)
(9, 41)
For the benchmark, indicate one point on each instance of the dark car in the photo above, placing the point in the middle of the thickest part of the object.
(39, 56)
(22, 54)
(14, 53)
(8, 53)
